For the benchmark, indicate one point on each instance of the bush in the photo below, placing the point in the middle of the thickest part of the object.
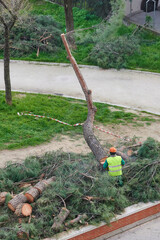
(114, 53)
(33, 33)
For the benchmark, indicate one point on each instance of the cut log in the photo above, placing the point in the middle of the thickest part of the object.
(20, 198)
(58, 220)
(40, 186)
(79, 218)
(32, 194)
(49, 181)
(23, 209)
(2, 197)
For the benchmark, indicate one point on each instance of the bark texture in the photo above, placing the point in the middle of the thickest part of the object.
(20, 198)
(69, 15)
(7, 67)
(32, 194)
(58, 221)
(68, 5)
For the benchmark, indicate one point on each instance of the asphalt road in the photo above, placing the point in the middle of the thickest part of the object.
(135, 89)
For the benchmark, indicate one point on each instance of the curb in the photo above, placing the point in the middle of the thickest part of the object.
(133, 216)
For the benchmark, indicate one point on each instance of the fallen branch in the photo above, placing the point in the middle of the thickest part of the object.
(78, 219)
(58, 220)
(91, 198)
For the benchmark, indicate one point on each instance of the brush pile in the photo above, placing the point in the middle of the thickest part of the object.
(81, 193)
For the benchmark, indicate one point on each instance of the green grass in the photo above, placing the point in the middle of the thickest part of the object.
(22, 131)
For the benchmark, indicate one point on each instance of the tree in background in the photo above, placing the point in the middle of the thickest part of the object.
(40, 34)
(9, 13)
(68, 8)
(112, 45)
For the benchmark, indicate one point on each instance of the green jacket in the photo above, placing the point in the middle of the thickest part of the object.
(114, 165)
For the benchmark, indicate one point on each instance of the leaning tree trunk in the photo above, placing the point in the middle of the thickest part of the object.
(7, 68)
(88, 133)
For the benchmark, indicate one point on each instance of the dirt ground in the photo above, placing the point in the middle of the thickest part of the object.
(77, 143)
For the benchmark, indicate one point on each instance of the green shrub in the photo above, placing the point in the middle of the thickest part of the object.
(36, 32)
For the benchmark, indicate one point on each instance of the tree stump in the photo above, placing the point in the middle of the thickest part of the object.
(32, 194)
(2, 197)
(20, 198)
(58, 220)
(23, 209)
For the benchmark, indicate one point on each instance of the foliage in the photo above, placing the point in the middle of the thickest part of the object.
(76, 177)
(21, 131)
(100, 8)
(35, 32)
(112, 49)
(143, 175)
(150, 149)
(114, 53)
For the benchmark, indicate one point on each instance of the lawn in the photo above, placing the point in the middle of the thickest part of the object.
(22, 131)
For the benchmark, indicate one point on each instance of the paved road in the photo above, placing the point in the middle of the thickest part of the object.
(127, 88)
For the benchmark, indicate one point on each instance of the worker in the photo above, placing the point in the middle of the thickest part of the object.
(114, 165)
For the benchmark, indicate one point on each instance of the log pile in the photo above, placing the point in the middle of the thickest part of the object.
(19, 203)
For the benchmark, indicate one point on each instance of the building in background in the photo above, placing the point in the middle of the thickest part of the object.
(135, 6)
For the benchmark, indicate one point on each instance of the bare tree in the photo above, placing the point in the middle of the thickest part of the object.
(9, 13)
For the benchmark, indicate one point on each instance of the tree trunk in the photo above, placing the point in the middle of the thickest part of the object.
(7, 68)
(88, 133)
(69, 15)
(68, 5)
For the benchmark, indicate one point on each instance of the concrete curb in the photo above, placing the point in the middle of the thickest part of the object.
(132, 217)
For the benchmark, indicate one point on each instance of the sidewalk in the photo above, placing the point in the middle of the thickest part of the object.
(127, 88)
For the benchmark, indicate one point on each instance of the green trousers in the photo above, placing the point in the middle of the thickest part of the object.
(120, 180)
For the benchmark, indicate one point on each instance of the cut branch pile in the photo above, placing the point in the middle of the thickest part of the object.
(81, 192)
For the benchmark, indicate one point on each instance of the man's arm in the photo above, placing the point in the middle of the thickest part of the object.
(105, 165)
(122, 162)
